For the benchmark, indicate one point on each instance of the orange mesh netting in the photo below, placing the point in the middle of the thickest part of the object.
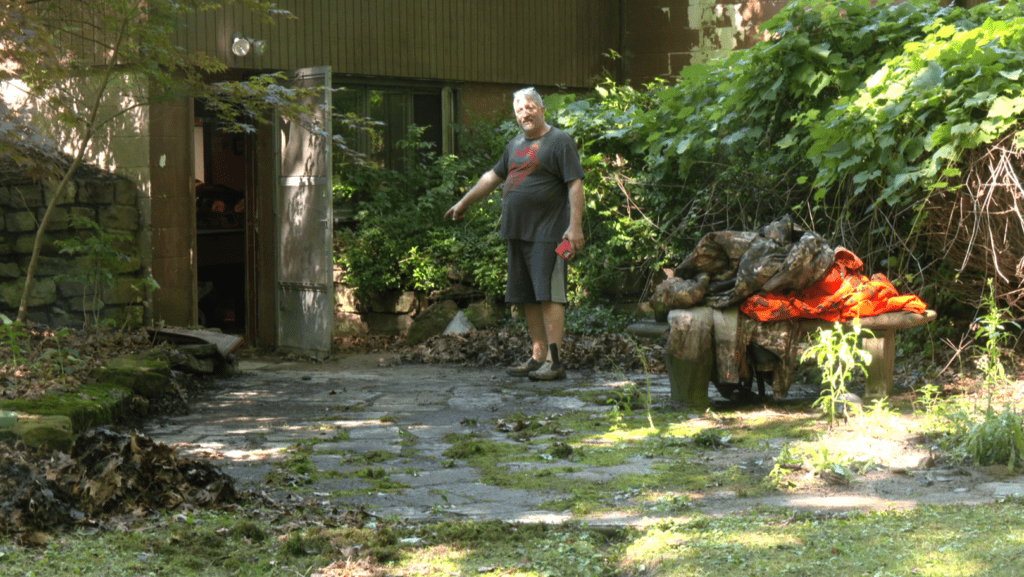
(841, 295)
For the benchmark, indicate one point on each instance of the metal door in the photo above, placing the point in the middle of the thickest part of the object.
(304, 223)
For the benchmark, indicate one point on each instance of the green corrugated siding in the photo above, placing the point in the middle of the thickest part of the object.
(543, 42)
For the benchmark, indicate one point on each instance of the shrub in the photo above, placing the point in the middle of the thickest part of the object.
(852, 117)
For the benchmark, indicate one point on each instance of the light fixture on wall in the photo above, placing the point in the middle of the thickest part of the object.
(241, 46)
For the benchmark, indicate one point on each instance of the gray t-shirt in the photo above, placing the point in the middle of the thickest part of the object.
(535, 198)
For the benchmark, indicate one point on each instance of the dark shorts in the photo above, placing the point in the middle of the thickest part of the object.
(535, 273)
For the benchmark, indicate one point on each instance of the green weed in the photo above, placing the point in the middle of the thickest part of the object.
(102, 256)
(991, 340)
(837, 353)
(995, 437)
(12, 336)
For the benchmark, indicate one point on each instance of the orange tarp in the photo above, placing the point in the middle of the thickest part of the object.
(842, 294)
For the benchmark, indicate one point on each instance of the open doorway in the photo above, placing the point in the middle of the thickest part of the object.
(222, 172)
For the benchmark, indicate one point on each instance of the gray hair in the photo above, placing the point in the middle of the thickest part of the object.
(530, 93)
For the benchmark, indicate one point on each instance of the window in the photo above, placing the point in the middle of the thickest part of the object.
(396, 108)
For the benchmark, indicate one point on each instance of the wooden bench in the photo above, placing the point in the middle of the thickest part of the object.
(693, 332)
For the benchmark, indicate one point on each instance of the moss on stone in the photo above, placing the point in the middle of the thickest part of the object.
(53, 431)
(145, 374)
(88, 406)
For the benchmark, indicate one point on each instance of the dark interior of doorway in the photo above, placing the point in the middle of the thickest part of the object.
(221, 170)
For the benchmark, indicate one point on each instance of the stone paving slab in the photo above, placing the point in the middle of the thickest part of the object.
(349, 418)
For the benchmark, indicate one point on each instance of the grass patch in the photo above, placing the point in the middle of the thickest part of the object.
(369, 457)
(930, 541)
(298, 470)
(483, 453)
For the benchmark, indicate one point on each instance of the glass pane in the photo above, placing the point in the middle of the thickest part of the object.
(427, 114)
(379, 136)
(349, 103)
(397, 125)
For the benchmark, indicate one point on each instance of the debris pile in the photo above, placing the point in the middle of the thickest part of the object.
(498, 347)
(106, 473)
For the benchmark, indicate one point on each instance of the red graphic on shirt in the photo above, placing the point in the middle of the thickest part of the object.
(518, 171)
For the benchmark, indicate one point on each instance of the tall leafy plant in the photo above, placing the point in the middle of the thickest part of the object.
(101, 255)
(400, 241)
(900, 133)
(838, 355)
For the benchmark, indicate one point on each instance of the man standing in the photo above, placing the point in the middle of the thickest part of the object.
(541, 204)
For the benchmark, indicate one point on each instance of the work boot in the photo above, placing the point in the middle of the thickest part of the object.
(548, 372)
(525, 368)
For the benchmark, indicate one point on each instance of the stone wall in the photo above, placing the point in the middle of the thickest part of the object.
(388, 314)
(58, 299)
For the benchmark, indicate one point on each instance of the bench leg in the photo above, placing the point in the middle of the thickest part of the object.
(690, 355)
(882, 348)
(689, 380)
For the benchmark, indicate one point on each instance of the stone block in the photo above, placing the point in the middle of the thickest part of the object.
(346, 300)
(21, 221)
(119, 217)
(484, 314)
(62, 318)
(9, 270)
(87, 406)
(122, 292)
(37, 316)
(395, 302)
(71, 288)
(125, 192)
(199, 350)
(200, 359)
(86, 304)
(82, 212)
(24, 196)
(127, 316)
(386, 324)
(67, 195)
(10, 294)
(60, 218)
(25, 243)
(50, 431)
(431, 322)
(145, 375)
(96, 192)
(5, 196)
(350, 324)
(198, 366)
(48, 265)
(44, 292)
(460, 325)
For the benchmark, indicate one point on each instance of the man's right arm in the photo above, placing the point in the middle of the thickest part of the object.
(487, 183)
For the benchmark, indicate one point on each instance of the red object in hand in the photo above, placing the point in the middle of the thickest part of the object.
(564, 250)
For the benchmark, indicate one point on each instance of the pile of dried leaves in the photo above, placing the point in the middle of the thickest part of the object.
(505, 347)
(107, 474)
(36, 360)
